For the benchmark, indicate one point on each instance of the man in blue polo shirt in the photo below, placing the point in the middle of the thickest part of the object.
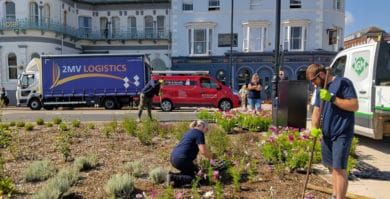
(338, 120)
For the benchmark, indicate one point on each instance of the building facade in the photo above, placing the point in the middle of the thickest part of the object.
(232, 44)
(29, 29)
(310, 32)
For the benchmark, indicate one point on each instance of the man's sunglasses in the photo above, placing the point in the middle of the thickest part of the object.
(315, 77)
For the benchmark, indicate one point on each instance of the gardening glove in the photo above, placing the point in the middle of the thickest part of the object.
(315, 132)
(325, 95)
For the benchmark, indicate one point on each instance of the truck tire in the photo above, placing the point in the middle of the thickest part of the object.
(109, 103)
(225, 105)
(35, 104)
(166, 105)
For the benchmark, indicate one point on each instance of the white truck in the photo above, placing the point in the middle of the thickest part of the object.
(368, 67)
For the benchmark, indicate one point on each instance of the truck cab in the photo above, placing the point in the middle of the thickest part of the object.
(28, 91)
(368, 67)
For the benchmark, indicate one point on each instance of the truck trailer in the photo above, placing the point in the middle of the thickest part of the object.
(110, 81)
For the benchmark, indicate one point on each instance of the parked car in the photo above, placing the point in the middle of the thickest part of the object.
(193, 88)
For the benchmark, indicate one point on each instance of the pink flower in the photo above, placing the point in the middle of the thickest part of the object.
(179, 195)
(270, 168)
(285, 152)
(215, 175)
(212, 162)
(200, 173)
(139, 195)
(248, 165)
(291, 137)
(153, 194)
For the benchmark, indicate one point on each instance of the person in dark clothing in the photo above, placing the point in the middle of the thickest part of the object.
(338, 119)
(151, 89)
(254, 93)
(184, 154)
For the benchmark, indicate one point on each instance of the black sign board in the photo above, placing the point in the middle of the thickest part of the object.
(224, 40)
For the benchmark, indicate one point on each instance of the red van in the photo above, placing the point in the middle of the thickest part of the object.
(196, 88)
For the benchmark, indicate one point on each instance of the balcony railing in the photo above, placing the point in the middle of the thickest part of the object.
(21, 25)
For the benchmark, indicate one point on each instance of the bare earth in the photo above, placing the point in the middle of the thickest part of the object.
(112, 152)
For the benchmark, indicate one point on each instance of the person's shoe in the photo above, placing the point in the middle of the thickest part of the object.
(168, 181)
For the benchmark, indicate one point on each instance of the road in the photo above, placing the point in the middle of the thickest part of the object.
(9, 114)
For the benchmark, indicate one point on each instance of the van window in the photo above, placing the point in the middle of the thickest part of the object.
(383, 69)
(207, 83)
(338, 67)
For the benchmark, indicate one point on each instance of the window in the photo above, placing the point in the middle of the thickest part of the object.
(10, 11)
(35, 55)
(221, 76)
(46, 14)
(148, 20)
(338, 67)
(85, 25)
(34, 13)
(244, 76)
(338, 4)
(104, 26)
(116, 31)
(214, 5)
(200, 37)
(295, 35)
(295, 4)
(12, 66)
(254, 35)
(188, 5)
(255, 4)
(132, 26)
(160, 26)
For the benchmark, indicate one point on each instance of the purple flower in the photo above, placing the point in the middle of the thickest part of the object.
(310, 196)
(270, 168)
(212, 162)
(139, 195)
(291, 137)
(229, 153)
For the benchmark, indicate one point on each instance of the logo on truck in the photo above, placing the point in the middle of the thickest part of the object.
(359, 65)
(88, 71)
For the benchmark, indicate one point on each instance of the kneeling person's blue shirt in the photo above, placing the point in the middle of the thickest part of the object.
(188, 146)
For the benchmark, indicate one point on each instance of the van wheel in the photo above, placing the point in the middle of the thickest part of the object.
(109, 103)
(225, 105)
(35, 104)
(166, 105)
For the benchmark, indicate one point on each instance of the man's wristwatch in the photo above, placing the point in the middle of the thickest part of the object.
(333, 98)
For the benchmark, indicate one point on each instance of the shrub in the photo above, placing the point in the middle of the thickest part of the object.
(91, 126)
(63, 127)
(57, 120)
(120, 186)
(49, 124)
(180, 129)
(130, 125)
(217, 140)
(29, 127)
(12, 123)
(40, 121)
(76, 123)
(38, 171)
(85, 162)
(20, 124)
(134, 168)
(158, 175)
(147, 132)
(5, 138)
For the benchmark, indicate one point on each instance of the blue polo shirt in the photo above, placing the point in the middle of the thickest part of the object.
(336, 121)
(188, 146)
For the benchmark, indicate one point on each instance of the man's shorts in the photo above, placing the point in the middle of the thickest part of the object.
(335, 153)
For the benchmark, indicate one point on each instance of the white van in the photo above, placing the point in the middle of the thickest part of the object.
(368, 67)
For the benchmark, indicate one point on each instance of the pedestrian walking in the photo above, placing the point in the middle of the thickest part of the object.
(151, 89)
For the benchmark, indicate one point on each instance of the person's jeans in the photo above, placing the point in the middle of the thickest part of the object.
(254, 104)
(187, 170)
(145, 101)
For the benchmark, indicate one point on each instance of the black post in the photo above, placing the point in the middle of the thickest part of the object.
(275, 79)
(231, 47)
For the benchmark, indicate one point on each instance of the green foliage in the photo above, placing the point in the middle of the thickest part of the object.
(206, 115)
(217, 140)
(12, 123)
(235, 172)
(57, 120)
(130, 125)
(227, 121)
(63, 127)
(20, 124)
(85, 162)
(148, 131)
(40, 121)
(7, 187)
(168, 192)
(63, 144)
(354, 144)
(38, 171)
(91, 126)
(158, 175)
(5, 138)
(133, 168)
(58, 185)
(29, 127)
(120, 186)
(180, 128)
(76, 123)
(49, 124)
(4, 126)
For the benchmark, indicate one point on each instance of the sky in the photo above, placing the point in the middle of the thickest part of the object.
(360, 14)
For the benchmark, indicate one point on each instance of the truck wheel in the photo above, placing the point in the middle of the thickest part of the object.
(166, 105)
(35, 104)
(225, 105)
(109, 103)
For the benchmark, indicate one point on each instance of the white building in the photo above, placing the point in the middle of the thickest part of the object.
(201, 36)
(32, 28)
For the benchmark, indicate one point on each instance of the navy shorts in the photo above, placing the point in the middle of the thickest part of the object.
(335, 153)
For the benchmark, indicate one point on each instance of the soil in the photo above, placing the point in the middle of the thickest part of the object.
(112, 152)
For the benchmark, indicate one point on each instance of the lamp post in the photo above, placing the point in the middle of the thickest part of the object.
(231, 47)
(275, 79)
